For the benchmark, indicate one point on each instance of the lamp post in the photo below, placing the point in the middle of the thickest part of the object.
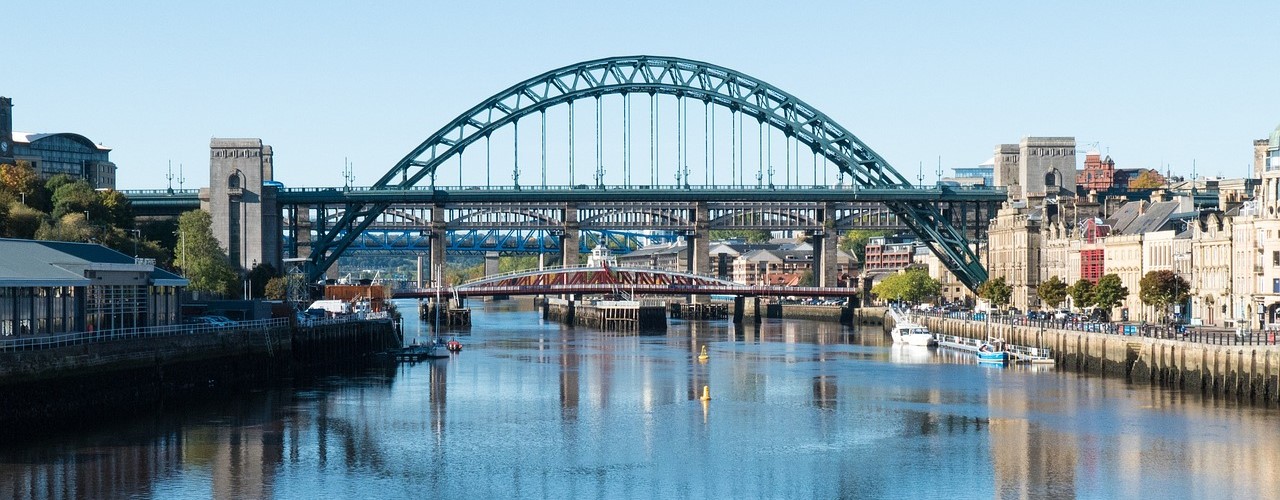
(137, 235)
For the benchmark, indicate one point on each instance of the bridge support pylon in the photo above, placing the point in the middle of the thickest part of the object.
(699, 241)
(826, 243)
(571, 238)
(439, 235)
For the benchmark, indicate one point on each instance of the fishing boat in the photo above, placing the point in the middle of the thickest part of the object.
(909, 333)
(992, 351)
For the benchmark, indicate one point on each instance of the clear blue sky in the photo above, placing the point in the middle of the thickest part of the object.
(1152, 82)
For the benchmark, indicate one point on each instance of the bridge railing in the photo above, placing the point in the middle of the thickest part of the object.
(621, 187)
(68, 339)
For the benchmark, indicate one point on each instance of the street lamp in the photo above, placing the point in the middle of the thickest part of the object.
(137, 235)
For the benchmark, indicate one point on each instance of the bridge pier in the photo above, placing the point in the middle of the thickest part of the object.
(439, 235)
(491, 263)
(699, 242)
(570, 240)
(746, 309)
(826, 243)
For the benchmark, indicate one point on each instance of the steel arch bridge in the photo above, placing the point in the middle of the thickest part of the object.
(683, 78)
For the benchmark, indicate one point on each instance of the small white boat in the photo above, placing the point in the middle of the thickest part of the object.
(911, 334)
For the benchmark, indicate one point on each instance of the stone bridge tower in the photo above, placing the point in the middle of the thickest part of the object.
(246, 216)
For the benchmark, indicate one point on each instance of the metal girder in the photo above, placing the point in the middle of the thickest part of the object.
(464, 241)
(681, 77)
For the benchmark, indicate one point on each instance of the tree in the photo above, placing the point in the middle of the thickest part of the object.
(1108, 293)
(23, 221)
(22, 181)
(277, 288)
(1052, 292)
(69, 227)
(78, 197)
(1148, 179)
(748, 235)
(259, 276)
(911, 285)
(1162, 289)
(807, 279)
(996, 291)
(1081, 293)
(117, 209)
(199, 256)
(855, 241)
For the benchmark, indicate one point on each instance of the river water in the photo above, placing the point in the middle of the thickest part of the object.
(798, 409)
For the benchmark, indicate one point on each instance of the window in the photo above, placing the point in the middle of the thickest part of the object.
(1275, 285)
(1275, 258)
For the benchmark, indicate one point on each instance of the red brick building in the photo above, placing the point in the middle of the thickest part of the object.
(1098, 174)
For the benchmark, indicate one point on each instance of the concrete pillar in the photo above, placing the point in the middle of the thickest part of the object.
(570, 241)
(490, 263)
(699, 242)
(420, 281)
(825, 246)
(439, 237)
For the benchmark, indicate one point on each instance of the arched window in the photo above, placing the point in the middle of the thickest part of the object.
(233, 181)
(1050, 179)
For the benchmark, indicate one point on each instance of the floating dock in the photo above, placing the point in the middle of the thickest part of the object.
(1017, 353)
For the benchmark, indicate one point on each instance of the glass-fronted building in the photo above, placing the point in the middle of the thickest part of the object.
(51, 287)
(66, 153)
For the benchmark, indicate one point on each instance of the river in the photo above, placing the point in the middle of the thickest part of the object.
(798, 409)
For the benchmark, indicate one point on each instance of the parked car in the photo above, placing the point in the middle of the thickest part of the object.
(210, 320)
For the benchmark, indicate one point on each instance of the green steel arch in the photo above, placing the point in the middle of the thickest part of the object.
(680, 77)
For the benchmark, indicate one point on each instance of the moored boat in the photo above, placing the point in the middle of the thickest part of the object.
(992, 352)
(911, 334)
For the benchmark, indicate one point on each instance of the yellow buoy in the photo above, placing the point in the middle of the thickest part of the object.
(706, 393)
(703, 356)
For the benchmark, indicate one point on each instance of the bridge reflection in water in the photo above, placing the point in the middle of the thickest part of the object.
(799, 410)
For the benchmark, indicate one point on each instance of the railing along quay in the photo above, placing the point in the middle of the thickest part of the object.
(1199, 335)
(69, 339)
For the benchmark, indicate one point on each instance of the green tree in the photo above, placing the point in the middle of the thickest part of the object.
(259, 276)
(911, 285)
(748, 235)
(23, 221)
(69, 227)
(1162, 289)
(199, 256)
(116, 208)
(996, 292)
(78, 197)
(1109, 293)
(855, 241)
(806, 279)
(1081, 293)
(1052, 292)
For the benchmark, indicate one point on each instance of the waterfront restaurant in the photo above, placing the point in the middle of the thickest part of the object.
(51, 287)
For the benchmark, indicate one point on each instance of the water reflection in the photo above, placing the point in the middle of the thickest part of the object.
(798, 409)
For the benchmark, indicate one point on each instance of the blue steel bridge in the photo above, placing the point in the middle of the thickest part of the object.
(612, 149)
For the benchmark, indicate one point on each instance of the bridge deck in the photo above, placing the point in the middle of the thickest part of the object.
(658, 289)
